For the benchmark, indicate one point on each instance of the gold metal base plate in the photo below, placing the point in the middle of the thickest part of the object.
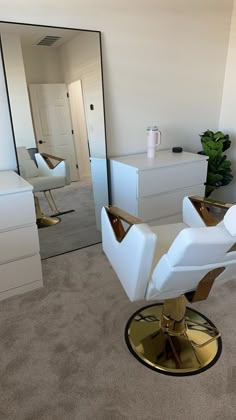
(172, 355)
(46, 221)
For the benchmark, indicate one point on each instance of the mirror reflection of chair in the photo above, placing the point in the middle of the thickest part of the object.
(41, 172)
(174, 263)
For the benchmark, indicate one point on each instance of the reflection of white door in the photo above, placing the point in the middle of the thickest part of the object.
(52, 122)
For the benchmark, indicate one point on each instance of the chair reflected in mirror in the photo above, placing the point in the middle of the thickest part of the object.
(56, 103)
(44, 172)
(175, 263)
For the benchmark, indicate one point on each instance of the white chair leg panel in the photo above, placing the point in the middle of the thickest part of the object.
(132, 258)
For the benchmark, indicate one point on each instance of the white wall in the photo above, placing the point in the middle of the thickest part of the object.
(228, 116)
(42, 65)
(164, 62)
(7, 152)
(17, 88)
(78, 54)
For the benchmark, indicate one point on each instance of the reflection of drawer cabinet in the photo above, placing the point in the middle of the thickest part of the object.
(153, 189)
(20, 263)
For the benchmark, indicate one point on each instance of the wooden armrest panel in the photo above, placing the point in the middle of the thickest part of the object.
(202, 206)
(210, 202)
(48, 161)
(204, 286)
(123, 215)
(115, 216)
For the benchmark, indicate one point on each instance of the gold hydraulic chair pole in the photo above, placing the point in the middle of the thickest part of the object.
(42, 220)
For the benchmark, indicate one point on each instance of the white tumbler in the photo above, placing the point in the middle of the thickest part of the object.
(153, 140)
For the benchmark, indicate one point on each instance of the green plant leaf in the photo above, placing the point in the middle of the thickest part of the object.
(219, 135)
(219, 167)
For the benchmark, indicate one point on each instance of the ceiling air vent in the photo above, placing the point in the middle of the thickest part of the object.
(48, 40)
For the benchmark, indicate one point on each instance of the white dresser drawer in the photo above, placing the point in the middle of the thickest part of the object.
(18, 243)
(16, 210)
(174, 218)
(170, 178)
(165, 205)
(19, 273)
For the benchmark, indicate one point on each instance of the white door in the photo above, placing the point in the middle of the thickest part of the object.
(52, 122)
(80, 128)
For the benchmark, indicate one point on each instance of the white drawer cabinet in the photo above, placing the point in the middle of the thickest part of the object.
(19, 243)
(16, 209)
(20, 263)
(153, 189)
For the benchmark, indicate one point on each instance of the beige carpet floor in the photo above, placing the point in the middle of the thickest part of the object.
(76, 230)
(64, 357)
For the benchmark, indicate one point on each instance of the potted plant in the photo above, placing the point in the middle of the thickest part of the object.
(219, 172)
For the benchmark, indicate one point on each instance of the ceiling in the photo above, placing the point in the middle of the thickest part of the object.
(30, 35)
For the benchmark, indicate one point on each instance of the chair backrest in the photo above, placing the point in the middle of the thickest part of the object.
(194, 253)
(32, 151)
(28, 168)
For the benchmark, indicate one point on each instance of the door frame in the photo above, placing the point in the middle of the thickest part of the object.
(79, 123)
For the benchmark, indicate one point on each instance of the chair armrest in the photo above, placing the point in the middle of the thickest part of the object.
(116, 216)
(196, 211)
(48, 159)
(130, 252)
(47, 168)
(62, 169)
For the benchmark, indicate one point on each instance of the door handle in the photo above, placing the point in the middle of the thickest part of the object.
(42, 141)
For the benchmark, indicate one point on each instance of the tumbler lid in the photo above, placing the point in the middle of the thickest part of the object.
(152, 128)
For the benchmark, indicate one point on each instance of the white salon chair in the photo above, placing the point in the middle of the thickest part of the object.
(173, 263)
(44, 175)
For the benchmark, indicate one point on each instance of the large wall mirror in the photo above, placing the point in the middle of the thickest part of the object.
(55, 89)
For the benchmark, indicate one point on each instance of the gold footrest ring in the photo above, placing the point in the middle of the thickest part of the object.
(170, 354)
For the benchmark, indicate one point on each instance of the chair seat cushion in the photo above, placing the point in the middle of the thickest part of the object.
(44, 183)
(165, 236)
